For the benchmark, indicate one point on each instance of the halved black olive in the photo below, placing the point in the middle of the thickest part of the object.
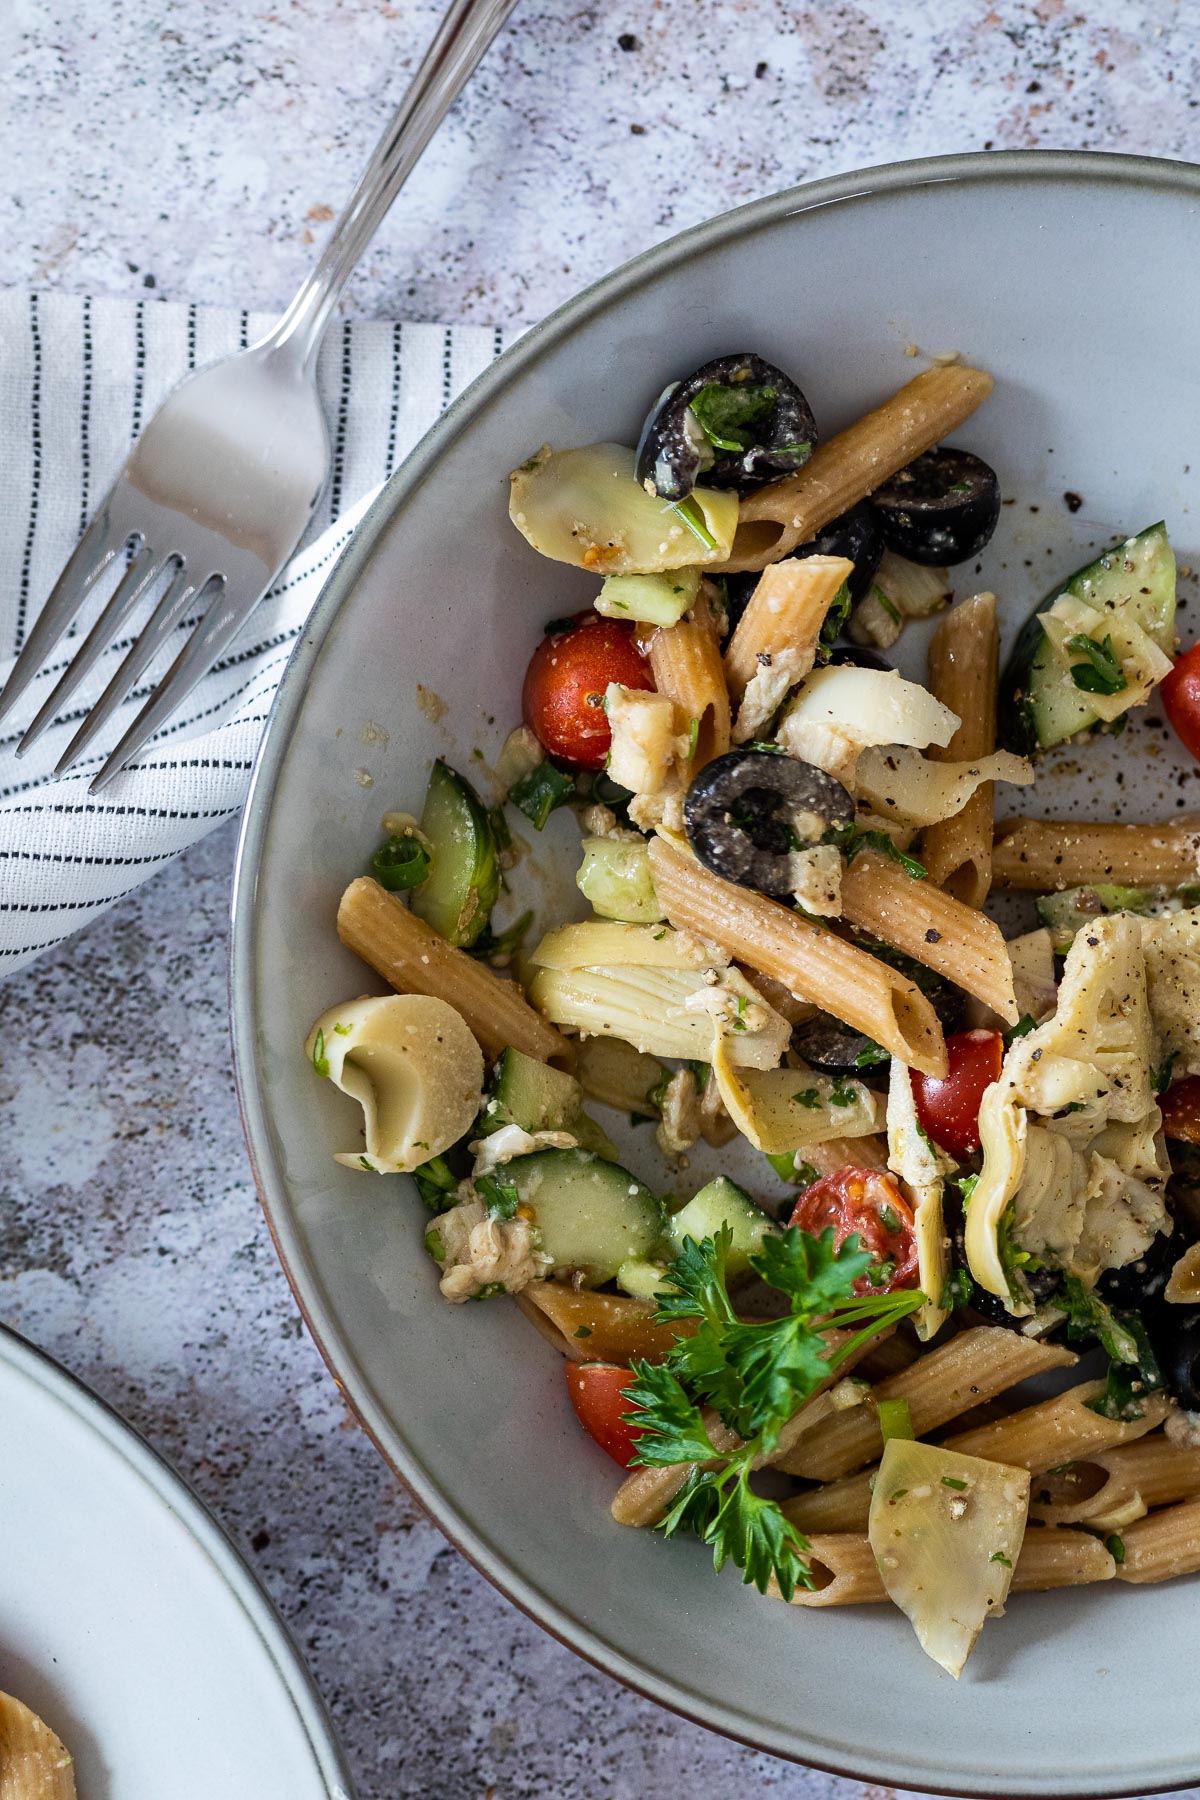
(1140, 1283)
(828, 1044)
(1174, 1332)
(738, 422)
(857, 536)
(941, 509)
(856, 656)
(748, 810)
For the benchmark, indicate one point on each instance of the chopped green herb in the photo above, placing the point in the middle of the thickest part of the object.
(658, 936)
(1160, 1079)
(500, 1195)
(889, 607)
(871, 1055)
(897, 1494)
(688, 512)
(365, 1163)
(850, 840)
(1024, 1025)
(888, 1218)
(435, 1246)
(835, 618)
(754, 1375)
(343, 1030)
(540, 792)
(809, 1097)
(895, 1421)
(952, 1481)
(490, 1290)
(958, 1290)
(768, 749)
(879, 1274)
(584, 1331)
(693, 737)
(1100, 672)
(320, 1061)
(402, 862)
(1115, 1545)
(1133, 1369)
(437, 1184)
(729, 416)
(998, 1556)
(843, 1093)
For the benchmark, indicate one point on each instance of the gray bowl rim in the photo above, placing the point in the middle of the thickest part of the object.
(185, 1505)
(1034, 166)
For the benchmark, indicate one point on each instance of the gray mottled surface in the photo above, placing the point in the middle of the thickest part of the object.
(196, 150)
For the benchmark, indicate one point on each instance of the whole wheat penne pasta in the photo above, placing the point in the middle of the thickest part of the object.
(843, 1567)
(932, 927)
(843, 1505)
(415, 960)
(853, 464)
(1153, 1470)
(1041, 855)
(603, 1327)
(34, 1763)
(645, 1494)
(1055, 1431)
(964, 656)
(775, 643)
(971, 1367)
(811, 962)
(687, 667)
(1163, 1544)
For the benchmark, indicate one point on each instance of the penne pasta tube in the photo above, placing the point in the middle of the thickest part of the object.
(974, 1366)
(1041, 855)
(932, 927)
(844, 1571)
(964, 656)
(853, 464)
(1164, 1544)
(595, 1327)
(415, 960)
(775, 643)
(810, 962)
(843, 1505)
(1152, 1470)
(34, 1763)
(1058, 1430)
(686, 663)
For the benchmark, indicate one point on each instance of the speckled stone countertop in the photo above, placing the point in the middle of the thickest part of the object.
(198, 150)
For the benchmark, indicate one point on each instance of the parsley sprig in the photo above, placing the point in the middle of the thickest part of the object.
(1100, 672)
(754, 1375)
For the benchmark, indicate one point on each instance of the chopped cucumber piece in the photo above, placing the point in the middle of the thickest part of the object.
(641, 1279)
(615, 877)
(649, 599)
(533, 1095)
(1039, 704)
(722, 1202)
(1065, 913)
(590, 1214)
(464, 882)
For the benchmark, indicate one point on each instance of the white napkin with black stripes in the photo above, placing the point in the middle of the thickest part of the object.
(78, 377)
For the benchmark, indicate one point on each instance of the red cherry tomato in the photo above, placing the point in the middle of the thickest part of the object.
(1181, 699)
(563, 696)
(865, 1201)
(1181, 1110)
(595, 1390)
(949, 1109)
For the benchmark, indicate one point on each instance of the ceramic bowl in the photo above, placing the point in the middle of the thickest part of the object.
(1076, 281)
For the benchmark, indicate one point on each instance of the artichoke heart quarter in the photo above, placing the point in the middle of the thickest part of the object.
(413, 1066)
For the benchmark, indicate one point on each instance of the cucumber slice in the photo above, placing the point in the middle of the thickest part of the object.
(649, 599)
(533, 1095)
(1038, 705)
(615, 877)
(722, 1202)
(642, 1280)
(464, 882)
(1065, 913)
(590, 1214)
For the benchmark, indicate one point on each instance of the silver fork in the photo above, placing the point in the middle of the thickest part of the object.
(216, 492)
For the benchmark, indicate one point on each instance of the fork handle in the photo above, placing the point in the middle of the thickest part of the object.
(462, 39)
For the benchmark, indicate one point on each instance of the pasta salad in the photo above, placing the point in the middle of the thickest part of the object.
(987, 1141)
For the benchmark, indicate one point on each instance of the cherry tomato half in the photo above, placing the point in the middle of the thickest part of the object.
(949, 1109)
(563, 696)
(1181, 699)
(1181, 1110)
(865, 1201)
(595, 1390)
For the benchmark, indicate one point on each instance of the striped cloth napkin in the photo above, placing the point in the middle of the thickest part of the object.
(78, 377)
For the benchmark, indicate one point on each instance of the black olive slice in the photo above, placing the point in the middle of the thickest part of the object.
(748, 810)
(828, 1044)
(738, 422)
(856, 536)
(941, 509)
(1141, 1282)
(1174, 1333)
(856, 656)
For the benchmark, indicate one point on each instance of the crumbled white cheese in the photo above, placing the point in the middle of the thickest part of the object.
(478, 1251)
(510, 1141)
